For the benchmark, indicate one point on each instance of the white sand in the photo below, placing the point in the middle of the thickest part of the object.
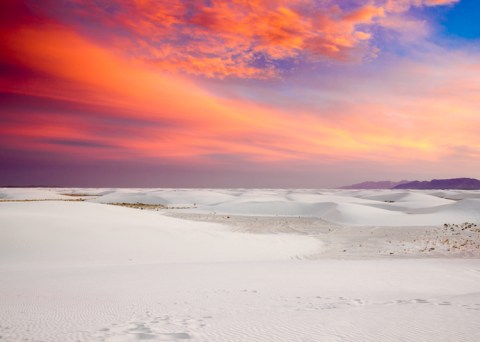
(348, 207)
(239, 265)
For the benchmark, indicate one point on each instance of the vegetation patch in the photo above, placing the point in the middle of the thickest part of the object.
(141, 206)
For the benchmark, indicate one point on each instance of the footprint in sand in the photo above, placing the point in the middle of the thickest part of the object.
(161, 328)
(475, 307)
(445, 303)
(420, 301)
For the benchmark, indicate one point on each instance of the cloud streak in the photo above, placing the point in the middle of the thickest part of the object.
(241, 38)
(69, 95)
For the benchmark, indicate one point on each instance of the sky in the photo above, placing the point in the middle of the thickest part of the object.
(241, 93)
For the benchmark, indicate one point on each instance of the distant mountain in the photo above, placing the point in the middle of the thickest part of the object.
(375, 185)
(439, 184)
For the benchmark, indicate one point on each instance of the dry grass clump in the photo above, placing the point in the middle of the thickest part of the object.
(141, 206)
(458, 238)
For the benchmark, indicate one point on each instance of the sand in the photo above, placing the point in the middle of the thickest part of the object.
(239, 265)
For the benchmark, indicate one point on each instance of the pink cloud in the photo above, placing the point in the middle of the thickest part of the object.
(246, 38)
(421, 110)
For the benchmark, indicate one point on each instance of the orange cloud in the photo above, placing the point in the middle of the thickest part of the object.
(365, 14)
(241, 38)
(204, 124)
(390, 118)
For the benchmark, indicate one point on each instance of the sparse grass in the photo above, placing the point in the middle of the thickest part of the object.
(456, 238)
(141, 206)
(138, 205)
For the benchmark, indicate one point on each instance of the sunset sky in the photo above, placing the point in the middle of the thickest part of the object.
(241, 93)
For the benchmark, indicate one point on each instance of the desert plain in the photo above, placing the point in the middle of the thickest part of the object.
(239, 265)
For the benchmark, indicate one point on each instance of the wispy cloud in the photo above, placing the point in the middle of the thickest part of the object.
(242, 38)
(118, 94)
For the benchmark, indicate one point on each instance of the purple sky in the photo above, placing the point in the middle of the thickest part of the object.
(247, 93)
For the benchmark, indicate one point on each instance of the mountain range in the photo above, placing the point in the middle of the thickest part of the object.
(375, 185)
(435, 184)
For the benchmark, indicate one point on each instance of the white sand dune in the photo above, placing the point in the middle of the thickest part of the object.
(384, 208)
(14, 194)
(88, 233)
(408, 198)
(239, 265)
(327, 300)
(351, 207)
(348, 207)
(169, 197)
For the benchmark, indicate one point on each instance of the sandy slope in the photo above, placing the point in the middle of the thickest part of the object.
(347, 207)
(328, 300)
(82, 233)
(239, 265)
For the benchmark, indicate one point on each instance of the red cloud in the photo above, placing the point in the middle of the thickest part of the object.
(199, 124)
(239, 38)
